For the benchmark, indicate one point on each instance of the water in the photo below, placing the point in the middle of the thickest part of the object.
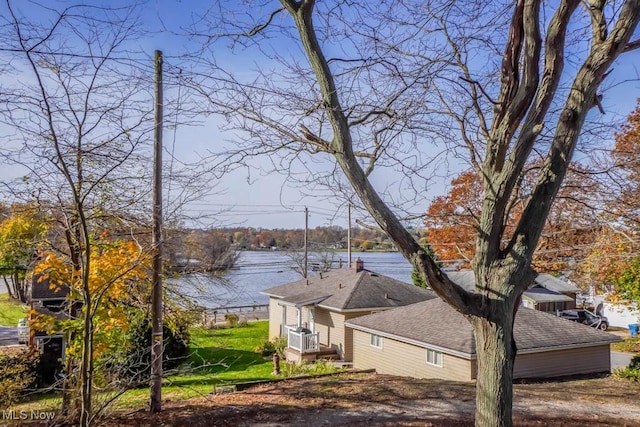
(259, 270)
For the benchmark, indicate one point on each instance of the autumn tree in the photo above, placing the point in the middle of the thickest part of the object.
(572, 225)
(20, 235)
(80, 117)
(452, 220)
(616, 246)
(396, 85)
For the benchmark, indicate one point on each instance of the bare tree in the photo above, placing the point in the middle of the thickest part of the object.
(79, 115)
(347, 92)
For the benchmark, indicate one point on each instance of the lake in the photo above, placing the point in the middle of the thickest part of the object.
(258, 270)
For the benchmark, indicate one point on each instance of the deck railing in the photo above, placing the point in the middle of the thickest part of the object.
(303, 342)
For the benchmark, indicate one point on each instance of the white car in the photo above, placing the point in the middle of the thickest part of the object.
(23, 331)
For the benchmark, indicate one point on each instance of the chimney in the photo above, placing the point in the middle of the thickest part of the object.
(358, 265)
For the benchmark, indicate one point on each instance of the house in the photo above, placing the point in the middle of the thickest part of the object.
(312, 312)
(49, 301)
(431, 340)
(547, 293)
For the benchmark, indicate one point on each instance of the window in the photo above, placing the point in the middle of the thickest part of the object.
(376, 341)
(434, 357)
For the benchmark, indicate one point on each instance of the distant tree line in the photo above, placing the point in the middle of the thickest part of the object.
(210, 246)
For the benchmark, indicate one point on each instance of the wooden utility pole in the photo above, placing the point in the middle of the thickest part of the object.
(306, 250)
(349, 235)
(156, 296)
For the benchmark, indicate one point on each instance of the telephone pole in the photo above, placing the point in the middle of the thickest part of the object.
(156, 295)
(349, 235)
(306, 250)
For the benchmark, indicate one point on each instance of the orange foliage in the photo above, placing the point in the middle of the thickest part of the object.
(452, 223)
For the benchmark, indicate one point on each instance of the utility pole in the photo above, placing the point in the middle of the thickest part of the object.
(156, 295)
(306, 250)
(349, 235)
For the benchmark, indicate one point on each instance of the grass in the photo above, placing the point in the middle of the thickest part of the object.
(222, 357)
(11, 311)
(218, 357)
(629, 345)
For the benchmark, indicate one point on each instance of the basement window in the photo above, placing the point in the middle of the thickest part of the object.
(434, 358)
(376, 341)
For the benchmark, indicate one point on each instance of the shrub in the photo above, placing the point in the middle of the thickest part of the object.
(17, 374)
(631, 372)
(133, 363)
(319, 367)
(231, 319)
(268, 348)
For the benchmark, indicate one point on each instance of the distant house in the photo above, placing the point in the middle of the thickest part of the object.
(312, 312)
(547, 293)
(432, 340)
(49, 301)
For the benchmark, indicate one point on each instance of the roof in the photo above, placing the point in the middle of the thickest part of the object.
(466, 279)
(541, 295)
(41, 289)
(346, 289)
(434, 323)
(545, 288)
(550, 282)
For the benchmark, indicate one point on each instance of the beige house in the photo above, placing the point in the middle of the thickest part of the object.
(312, 312)
(432, 340)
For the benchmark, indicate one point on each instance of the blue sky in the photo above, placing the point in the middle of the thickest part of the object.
(257, 197)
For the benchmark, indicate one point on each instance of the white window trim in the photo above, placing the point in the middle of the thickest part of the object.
(379, 339)
(438, 355)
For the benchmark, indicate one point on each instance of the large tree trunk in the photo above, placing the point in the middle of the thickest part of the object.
(496, 352)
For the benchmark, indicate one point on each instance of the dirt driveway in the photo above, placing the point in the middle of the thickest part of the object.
(382, 400)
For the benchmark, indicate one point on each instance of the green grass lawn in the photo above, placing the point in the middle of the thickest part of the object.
(11, 311)
(224, 356)
(218, 357)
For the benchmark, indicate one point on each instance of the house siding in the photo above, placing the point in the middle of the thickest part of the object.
(275, 318)
(324, 326)
(558, 363)
(398, 358)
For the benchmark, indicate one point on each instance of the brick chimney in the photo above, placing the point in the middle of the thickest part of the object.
(358, 265)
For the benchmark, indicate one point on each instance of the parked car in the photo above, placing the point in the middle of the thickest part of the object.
(586, 317)
(23, 331)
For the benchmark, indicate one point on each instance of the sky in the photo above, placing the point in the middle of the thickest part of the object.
(255, 198)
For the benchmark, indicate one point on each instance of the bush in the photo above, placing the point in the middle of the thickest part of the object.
(319, 367)
(17, 374)
(631, 372)
(133, 363)
(231, 319)
(268, 348)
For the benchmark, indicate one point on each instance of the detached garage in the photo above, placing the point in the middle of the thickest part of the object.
(432, 340)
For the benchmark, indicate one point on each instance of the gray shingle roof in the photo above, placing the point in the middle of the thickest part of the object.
(466, 279)
(540, 295)
(547, 281)
(346, 289)
(435, 323)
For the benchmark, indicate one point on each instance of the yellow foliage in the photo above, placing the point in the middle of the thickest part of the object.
(116, 267)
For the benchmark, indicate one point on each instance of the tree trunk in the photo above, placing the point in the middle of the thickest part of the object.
(496, 352)
(20, 287)
(9, 290)
(86, 367)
